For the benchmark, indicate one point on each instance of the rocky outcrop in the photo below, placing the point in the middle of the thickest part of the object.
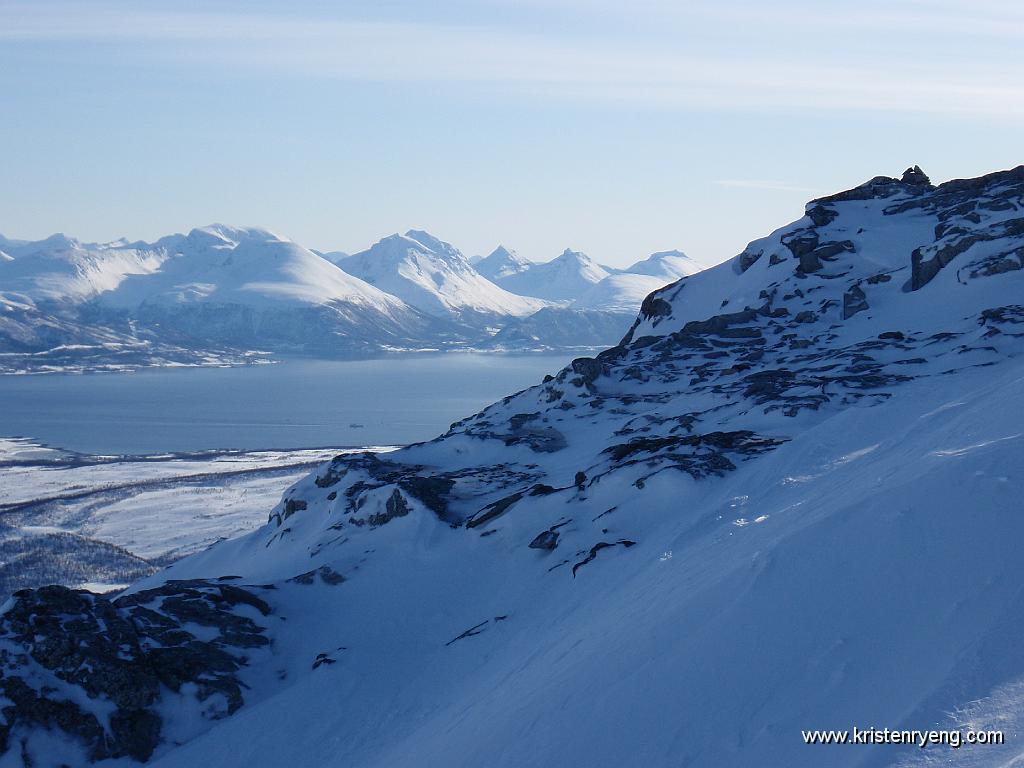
(124, 655)
(854, 301)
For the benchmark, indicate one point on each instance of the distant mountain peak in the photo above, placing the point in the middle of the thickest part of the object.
(435, 244)
(670, 265)
(60, 241)
(231, 236)
(501, 263)
(502, 252)
(434, 276)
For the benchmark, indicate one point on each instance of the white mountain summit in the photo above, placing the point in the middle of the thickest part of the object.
(434, 276)
(667, 265)
(501, 263)
(564, 278)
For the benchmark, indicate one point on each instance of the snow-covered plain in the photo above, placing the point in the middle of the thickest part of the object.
(788, 500)
(154, 509)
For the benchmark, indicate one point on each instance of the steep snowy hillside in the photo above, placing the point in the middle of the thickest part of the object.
(501, 263)
(787, 500)
(435, 277)
(667, 265)
(562, 279)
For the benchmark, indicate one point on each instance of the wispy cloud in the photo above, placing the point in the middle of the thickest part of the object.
(763, 184)
(626, 69)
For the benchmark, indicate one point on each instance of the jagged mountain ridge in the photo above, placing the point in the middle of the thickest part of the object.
(783, 501)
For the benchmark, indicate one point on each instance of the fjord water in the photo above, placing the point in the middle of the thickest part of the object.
(294, 404)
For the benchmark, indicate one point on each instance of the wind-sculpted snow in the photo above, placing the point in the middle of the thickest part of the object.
(787, 500)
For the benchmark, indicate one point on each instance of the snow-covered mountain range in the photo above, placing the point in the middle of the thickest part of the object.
(219, 292)
(788, 499)
(564, 278)
(435, 277)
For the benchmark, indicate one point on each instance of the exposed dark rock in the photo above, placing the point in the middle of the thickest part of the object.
(323, 659)
(431, 491)
(545, 540)
(395, 506)
(291, 506)
(334, 473)
(916, 177)
(588, 368)
(801, 242)
(747, 259)
(821, 215)
(654, 307)
(472, 631)
(597, 548)
(539, 439)
(122, 651)
(327, 575)
(493, 510)
(518, 420)
(854, 301)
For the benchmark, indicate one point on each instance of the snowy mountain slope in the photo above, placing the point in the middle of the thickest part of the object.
(785, 501)
(576, 278)
(564, 328)
(623, 292)
(668, 265)
(233, 265)
(221, 294)
(435, 277)
(501, 263)
(561, 279)
(60, 268)
(217, 286)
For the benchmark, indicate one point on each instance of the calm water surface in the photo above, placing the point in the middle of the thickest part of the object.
(296, 404)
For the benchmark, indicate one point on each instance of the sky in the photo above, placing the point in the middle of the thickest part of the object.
(614, 128)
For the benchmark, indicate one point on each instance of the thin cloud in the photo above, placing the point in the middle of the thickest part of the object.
(620, 69)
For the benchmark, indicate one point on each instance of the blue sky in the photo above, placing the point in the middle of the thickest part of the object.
(615, 128)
